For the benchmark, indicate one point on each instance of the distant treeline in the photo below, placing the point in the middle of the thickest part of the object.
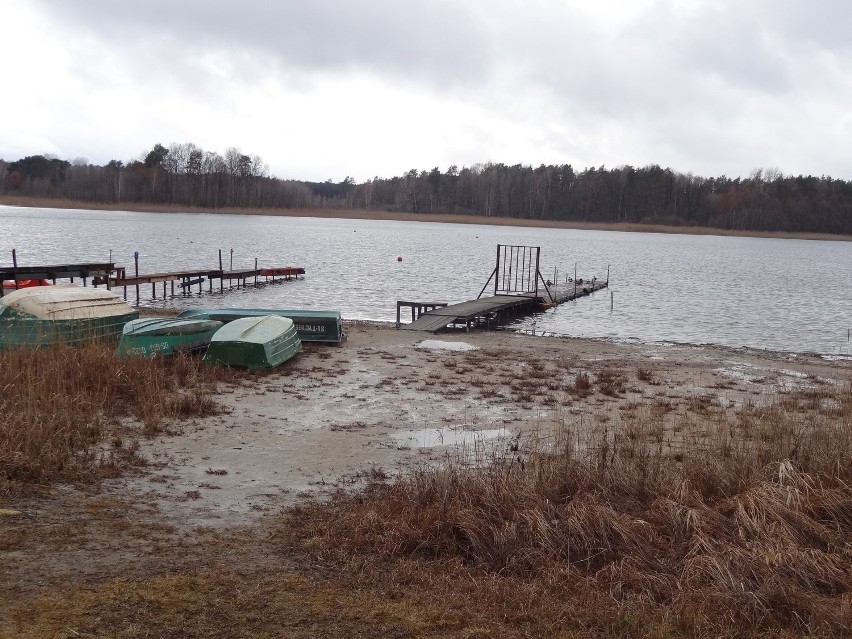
(186, 175)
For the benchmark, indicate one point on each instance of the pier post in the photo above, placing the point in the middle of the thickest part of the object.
(15, 267)
(136, 273)
(497, 270)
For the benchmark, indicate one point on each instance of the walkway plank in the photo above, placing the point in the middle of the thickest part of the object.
(483, 308)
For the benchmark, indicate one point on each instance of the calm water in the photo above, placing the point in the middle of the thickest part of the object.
(790, 295)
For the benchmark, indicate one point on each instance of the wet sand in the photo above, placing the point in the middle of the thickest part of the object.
(386, 401)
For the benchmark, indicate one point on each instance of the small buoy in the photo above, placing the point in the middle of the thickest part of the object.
(399, 258)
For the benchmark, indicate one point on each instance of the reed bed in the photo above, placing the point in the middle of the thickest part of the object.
(742, 528)
(58, 405)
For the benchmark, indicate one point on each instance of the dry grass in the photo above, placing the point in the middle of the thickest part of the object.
(611, 382)
(60, 403)
(646, 375)
(664, 515)
(582, 386)
(226, 604)
(744, 530)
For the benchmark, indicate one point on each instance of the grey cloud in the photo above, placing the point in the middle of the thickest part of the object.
(658, 63)
(734, 50)
(822, 25)
(440, 40)
(682, 82)
(679, 79)
(668, 51)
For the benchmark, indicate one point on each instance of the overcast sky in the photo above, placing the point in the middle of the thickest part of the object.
(328, 88)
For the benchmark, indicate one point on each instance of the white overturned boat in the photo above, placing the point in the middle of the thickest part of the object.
(64, 314)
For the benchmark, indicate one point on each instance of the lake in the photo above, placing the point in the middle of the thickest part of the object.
(775, 294)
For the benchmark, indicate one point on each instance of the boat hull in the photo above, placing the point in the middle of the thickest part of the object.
(42, 316)
(312, 326)
(162, 336)
(254, 343)
(25, 331)
(10, 285)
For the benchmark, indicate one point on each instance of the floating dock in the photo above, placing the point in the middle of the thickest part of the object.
(519, 289)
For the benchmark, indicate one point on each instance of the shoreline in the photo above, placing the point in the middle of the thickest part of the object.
(439, 218)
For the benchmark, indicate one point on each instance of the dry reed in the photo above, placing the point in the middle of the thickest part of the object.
(59, 403)
(744, 529)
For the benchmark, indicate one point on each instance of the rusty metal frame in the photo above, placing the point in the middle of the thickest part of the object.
(516, 271)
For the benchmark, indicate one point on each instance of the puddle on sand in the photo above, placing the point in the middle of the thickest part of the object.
(448, 437)
(740, 372)
(438, 345)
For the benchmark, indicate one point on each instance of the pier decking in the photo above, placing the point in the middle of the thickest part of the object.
(94, 271)
(493, 310)
(519, 289)
(185, 280)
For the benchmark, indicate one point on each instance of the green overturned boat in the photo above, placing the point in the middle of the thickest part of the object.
(254, 343)
(312, 326)
(64, 314)
(153, 336)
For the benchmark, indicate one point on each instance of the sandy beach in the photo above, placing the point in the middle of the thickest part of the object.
(380, 404)
(388, 400)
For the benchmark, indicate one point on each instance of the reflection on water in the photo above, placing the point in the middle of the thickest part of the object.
(789, 295)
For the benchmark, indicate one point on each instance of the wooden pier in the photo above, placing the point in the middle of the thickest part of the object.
(53, 272)
(519, 289)
(173, 283)
(181, 282)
